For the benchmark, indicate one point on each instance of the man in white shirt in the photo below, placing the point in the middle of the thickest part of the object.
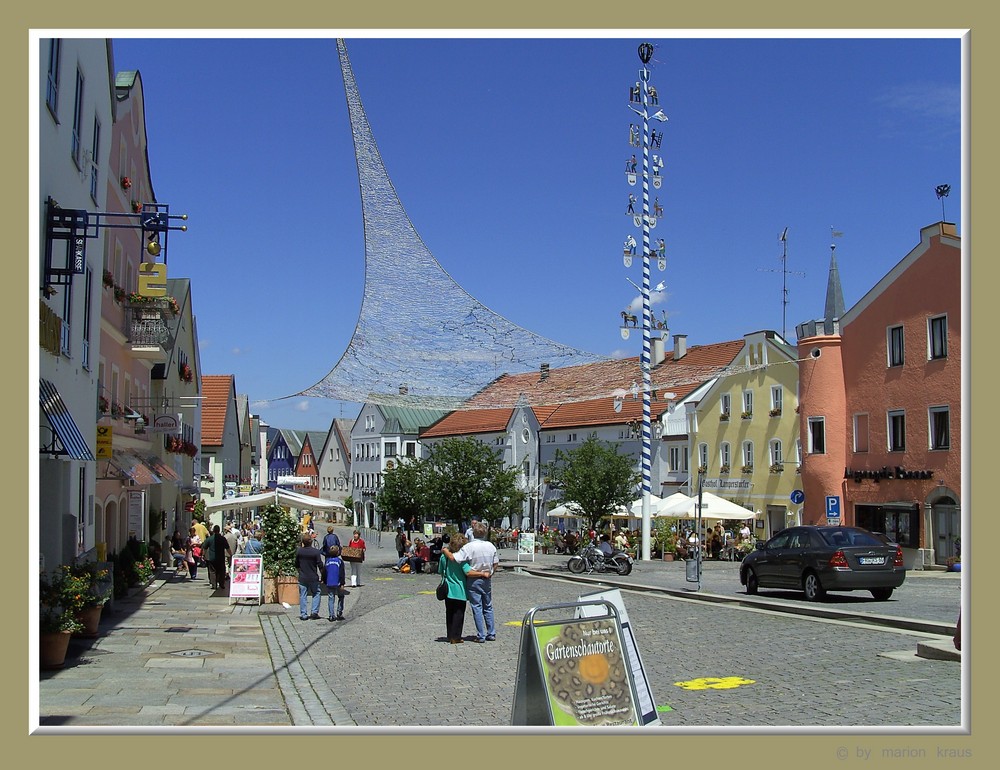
(482, 556)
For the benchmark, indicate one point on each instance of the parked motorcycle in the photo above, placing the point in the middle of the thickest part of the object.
(590, 559)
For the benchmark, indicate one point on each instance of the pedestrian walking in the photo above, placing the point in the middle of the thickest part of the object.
(402, 543)
(309, 562)
(333, 571)
(192, 548)
(217, 554)
(482, 555)
(330, 540)
(357, 542)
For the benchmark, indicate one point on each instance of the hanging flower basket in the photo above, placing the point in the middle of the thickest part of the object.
(109, 279)
(136, 206)
(126, 183)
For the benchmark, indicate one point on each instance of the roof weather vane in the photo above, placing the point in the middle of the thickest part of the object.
(942, 191)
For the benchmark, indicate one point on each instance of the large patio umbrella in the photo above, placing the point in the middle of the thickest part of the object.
(657, 504)
(713, 507)
(279, 496)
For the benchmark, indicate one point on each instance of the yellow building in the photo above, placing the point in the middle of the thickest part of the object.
(744, 432)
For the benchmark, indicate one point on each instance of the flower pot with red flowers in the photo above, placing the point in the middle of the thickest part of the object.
(126, 183)
(136, 206)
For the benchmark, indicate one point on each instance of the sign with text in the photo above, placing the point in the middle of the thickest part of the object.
(526, 545)
(646, 704)
(574, 672)
(105, 440)
(245, 580)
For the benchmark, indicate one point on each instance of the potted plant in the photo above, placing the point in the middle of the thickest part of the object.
(98, 589)
(61, 597)
(281, 539)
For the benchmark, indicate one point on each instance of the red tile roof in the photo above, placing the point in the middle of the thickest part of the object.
(217, 390)
(566, 397)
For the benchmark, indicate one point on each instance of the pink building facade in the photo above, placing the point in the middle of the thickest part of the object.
(880, 393)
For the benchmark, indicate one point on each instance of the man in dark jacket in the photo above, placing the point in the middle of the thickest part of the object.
(309, 562)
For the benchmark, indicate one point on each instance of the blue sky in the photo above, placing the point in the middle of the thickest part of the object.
(508, 155)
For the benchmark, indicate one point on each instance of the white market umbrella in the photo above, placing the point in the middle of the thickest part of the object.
(657, 504)
(566, 511)
(713, 507)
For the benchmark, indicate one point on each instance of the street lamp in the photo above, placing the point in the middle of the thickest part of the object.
(642, 95)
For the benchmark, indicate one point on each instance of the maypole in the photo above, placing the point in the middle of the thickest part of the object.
(645, 95)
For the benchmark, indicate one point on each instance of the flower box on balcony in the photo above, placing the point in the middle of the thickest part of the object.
(746, 469)
(777, 468)
(724, 469)
(776, 412)
(724, 417)
(746, 415)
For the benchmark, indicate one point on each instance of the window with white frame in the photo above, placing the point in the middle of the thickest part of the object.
(724, 455)
(937, 337)
(95, 155)
(724, 404)
(776, 399)
(817, 435)
(411, 448)
(550, 438)
(748, 454)
(570, 438)
(52, 82)
(390, 448)
(775, 453)
(76, 146)
(894, 345)
(674, 458)
(897, 430)
(939, 427)
(88, 291)
(703, 456)
(747, 403)
(861, 433)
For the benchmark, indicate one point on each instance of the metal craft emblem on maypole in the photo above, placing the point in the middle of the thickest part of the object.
(643, 96)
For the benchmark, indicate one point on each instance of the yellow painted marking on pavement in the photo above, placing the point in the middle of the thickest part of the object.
(714, 683)
(519, 623)
(426, 592)
(383, 578)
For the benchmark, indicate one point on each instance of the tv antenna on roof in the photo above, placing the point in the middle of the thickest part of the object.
(785, 272)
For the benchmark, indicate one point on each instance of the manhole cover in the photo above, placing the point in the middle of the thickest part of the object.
(192, 654)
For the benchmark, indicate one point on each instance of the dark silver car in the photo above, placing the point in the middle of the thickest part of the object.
(819, 559)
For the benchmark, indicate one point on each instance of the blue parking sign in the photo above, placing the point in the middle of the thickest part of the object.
(832, 506)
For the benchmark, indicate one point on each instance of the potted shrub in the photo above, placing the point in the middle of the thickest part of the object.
(61, 597)
(98, 589)
(281, 539)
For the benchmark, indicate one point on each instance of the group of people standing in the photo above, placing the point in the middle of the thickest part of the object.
(213, 549)
(324, 566)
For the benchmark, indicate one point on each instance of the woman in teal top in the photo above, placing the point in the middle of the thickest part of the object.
(453, 575)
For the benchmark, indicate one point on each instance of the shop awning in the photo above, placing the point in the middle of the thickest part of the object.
(164, 471)
(67, 439)
(134, 467)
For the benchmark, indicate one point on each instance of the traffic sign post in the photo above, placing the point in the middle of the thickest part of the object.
(832, 509)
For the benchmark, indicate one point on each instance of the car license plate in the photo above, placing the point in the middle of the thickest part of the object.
(871, 560)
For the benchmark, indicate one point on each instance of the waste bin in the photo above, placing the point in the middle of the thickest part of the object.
(692, 568)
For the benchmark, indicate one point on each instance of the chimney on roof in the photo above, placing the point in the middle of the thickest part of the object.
(657, 350)
(543, 371)
(680, 346)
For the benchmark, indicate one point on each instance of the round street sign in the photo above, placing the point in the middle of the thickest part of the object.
(798, 496)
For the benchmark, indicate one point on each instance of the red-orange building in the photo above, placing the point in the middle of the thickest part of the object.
(880, 403)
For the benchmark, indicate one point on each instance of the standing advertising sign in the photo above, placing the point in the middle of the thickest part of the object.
(526, 545)
(573, 671)
(136, 513)
(245, 581)
(647, 706)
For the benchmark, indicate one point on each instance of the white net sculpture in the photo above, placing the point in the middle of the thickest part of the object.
(442, 345)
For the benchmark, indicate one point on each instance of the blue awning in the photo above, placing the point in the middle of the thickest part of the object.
(67, 438)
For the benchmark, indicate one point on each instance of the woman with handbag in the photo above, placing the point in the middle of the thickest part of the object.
(358, 543)
(453, 574)
(193, 551)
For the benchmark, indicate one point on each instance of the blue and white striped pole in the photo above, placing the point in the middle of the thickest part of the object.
(645, 53)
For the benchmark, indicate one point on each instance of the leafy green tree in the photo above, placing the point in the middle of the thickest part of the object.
(402, 494)
(465, 478)
(595, 476)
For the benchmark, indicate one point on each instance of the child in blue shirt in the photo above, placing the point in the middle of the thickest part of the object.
(335, 591)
